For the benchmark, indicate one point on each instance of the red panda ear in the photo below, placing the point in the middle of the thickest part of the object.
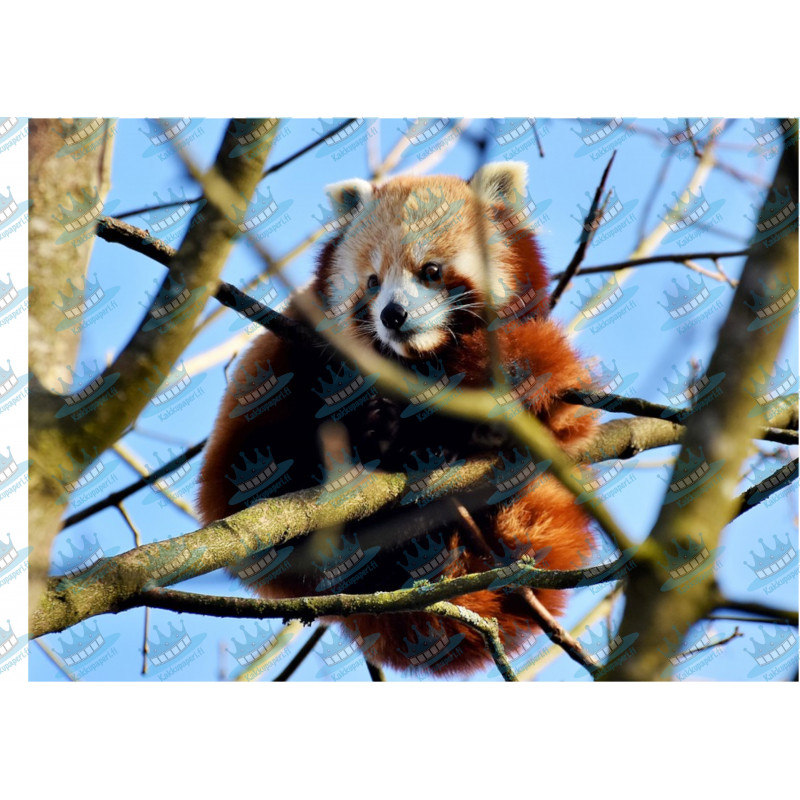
(345, 195)
(500, 182)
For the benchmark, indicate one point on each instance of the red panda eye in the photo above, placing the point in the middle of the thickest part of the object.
(431, 272)
(373, 282)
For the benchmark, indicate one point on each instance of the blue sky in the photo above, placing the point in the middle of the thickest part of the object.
(642, 342)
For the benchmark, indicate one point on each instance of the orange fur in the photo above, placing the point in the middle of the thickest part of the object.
(545, 520)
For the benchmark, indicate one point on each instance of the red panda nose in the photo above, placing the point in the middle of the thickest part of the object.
(393, 316)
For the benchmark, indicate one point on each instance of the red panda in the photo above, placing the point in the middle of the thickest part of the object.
(405, 272)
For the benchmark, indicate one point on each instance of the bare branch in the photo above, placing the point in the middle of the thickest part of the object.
(590, 225)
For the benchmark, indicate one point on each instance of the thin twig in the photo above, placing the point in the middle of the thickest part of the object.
(587, 234)
(270, 171)
(301, 654)
(115, 498)
(735, 618)
(674, 258)
(303, 150)
(693, 651)
(556, 632)
(786, 616)
(486, 627)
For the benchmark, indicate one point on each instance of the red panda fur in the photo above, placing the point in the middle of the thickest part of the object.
(545, 520)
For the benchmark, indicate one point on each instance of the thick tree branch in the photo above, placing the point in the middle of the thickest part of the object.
(62, 433)
(667, 588)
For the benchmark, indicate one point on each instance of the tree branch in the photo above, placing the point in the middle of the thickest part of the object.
(678, 594)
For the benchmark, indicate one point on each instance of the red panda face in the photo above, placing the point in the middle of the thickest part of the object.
(408, 269)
